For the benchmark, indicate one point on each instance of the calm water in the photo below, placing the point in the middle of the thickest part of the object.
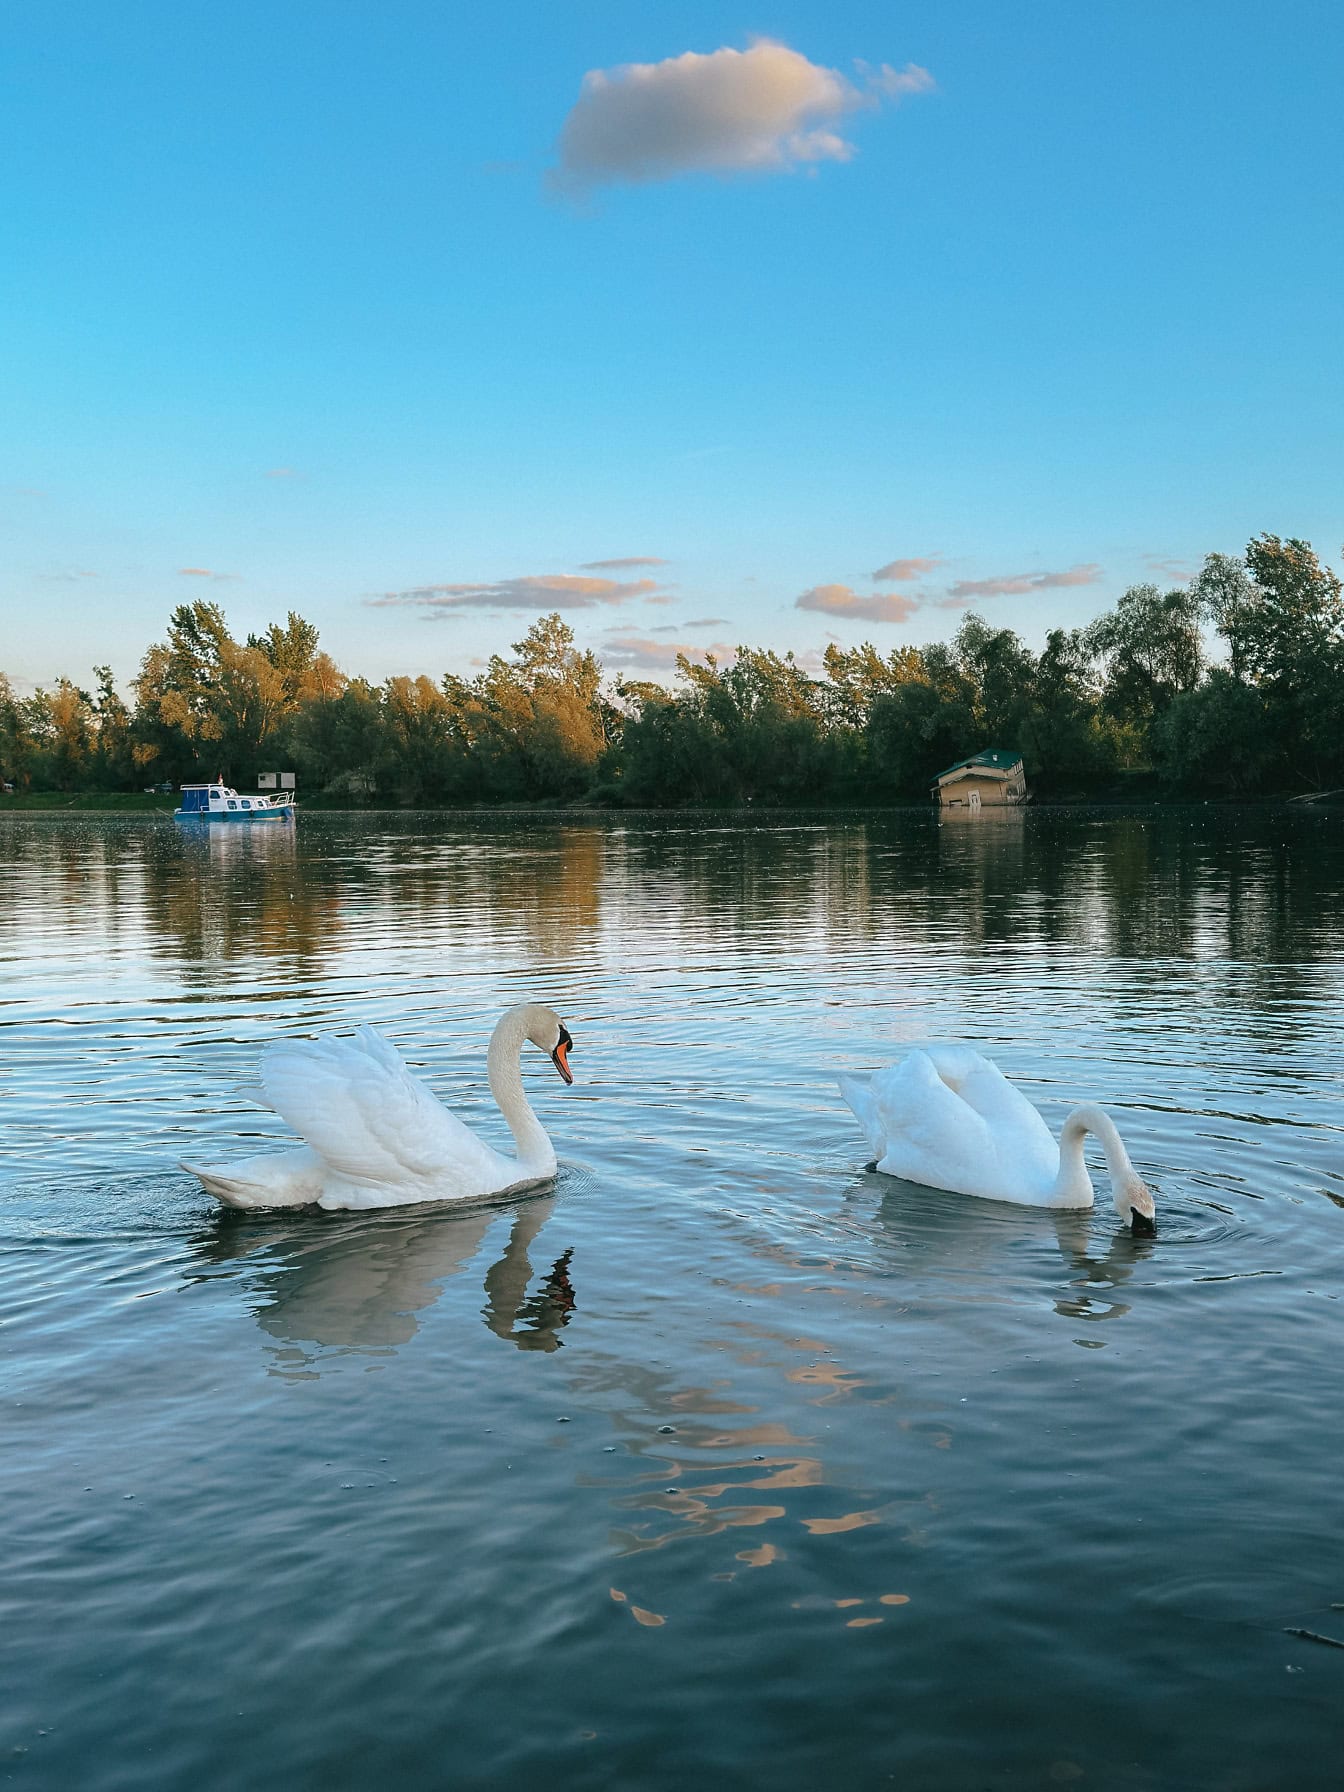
(722, 1464)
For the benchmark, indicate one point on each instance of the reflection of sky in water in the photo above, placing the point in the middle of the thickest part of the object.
(720, 1451)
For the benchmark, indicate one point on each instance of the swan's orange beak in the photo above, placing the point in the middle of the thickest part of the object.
(560, 1056)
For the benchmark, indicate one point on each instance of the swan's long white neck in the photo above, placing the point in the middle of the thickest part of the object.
(535, 1151)
(1073, 1185)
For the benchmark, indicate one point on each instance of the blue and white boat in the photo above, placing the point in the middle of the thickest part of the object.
(217, 802)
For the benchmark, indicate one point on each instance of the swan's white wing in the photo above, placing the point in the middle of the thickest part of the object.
(929, 1133)
(1023, 1144)
(358, 1106)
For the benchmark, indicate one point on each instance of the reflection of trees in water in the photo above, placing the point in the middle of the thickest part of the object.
(1254, 891)
(64, 877)
(234, 892)
(357, 1286)
(494, 882)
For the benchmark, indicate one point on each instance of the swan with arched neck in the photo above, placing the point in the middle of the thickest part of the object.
(375, 1136)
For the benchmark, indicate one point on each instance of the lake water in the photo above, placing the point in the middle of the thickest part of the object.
(722, 1464)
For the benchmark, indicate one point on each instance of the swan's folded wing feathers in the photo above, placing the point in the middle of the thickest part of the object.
(356, 1103)
(931, 1135)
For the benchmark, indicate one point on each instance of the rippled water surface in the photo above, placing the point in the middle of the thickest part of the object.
(721, 1463)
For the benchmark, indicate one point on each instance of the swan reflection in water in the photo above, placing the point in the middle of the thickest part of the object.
(345, 1286)
(973, 1241)
(1122, 1256)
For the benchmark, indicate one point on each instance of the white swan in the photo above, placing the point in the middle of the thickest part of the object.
(950, 1119)
(375, 1136)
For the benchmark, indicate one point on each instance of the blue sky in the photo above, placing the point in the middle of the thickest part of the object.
(305, 309)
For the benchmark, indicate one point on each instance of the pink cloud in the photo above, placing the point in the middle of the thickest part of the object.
(541, 591)
(637, 653)
(1169, 568)
(901, 570)
(839, 600)
(1013, 584)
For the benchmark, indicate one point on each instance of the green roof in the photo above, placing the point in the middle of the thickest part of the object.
(996, 756)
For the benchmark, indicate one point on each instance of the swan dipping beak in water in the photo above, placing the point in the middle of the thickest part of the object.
(950, 1119)
(375, 1136)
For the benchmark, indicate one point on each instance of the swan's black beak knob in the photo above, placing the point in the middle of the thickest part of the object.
(1142, 1225)
(560, 1056)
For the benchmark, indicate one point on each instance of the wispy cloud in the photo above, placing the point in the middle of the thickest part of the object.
(901, 570)
(72, 577)
(839, 600)
(1014, 584)
(765, 108)
(540, 591)
(623, 565)
(203, 572)
(706, 622)
(1170, 568)
(281, 473)
(638, 653)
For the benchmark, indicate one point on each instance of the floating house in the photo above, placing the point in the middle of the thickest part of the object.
(992, 779)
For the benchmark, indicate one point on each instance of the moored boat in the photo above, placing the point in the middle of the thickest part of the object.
(218, 802)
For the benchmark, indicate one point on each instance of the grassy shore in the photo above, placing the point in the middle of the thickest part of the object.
(94, 802)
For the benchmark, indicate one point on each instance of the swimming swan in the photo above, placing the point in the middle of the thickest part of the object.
(950, 1119)
(375, 1136)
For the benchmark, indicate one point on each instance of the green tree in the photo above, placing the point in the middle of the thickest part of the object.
(17, 745)
(1152, 649)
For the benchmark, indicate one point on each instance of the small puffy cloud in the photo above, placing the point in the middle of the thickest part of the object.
(1014, 584)
(729, 112)
(541, 591)
(896, 83)
(624, 565)
(901, 570)
(839, 600)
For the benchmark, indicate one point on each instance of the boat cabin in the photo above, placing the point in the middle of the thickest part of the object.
(218, 802)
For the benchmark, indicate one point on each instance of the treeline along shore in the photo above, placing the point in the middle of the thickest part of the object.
(1231, 685)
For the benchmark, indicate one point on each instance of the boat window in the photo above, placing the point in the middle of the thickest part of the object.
(246, 803)
(233, 805)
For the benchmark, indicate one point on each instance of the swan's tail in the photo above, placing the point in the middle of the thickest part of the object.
(258, 1182)
(859, 1095)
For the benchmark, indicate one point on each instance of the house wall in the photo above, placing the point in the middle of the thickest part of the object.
(992, 791)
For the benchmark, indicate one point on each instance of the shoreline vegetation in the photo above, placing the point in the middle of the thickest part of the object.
(1130, 710)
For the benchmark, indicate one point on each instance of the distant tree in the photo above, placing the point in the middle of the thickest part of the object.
(1152, 650)
(113, 755)
(17, 745)
(340, 743)
(1215, 738)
